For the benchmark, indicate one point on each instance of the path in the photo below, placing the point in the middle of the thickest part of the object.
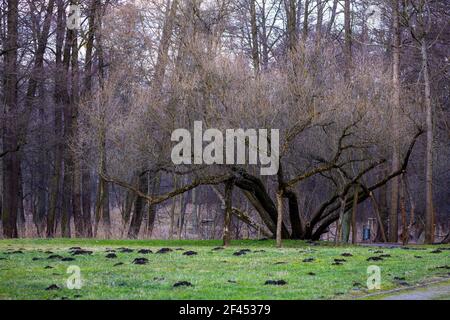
(435, 291)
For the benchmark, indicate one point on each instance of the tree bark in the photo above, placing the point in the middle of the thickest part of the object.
(381, 210)
(58, 125)
(228, 213)
(292, 25)
(151, 209)
(429, 210)
(332, 17)
(138, 214)
(402, 202)
(88, 70)
(381, 233)
(254, 36)
(305, 30)
(319, 26)
(348, 39)
(354, 215)
(279, 218)
(163, 49)
(393, 214)
(75, 161)
(10, 160)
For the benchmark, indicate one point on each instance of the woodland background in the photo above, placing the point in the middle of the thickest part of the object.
(358, 88)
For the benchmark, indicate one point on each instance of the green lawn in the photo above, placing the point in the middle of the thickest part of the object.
(213, 274)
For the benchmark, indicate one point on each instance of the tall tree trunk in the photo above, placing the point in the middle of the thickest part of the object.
(305, 30)
(393, 215)
(319, 26)
(429, 210)
(67, 116)
(85, 172)
(58, 125)
(348, 40)
(292, 25)
(163, 49)
(264, 38)
(75, 161)
(11, 163)
(332, 18)
(254, 36)
(102, 212)
(42, 174)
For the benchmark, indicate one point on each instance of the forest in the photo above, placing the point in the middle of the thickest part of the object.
(92, 91)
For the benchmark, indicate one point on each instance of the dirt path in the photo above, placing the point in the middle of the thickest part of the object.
(437, 291)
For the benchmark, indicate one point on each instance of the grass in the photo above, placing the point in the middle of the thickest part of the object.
(213, 274)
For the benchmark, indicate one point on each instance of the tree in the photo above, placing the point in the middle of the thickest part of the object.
(393, 215)
(11, 163)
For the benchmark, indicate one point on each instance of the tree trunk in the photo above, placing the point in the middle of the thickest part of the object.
(381, 209)
(332, 17)
(172, 209)
(75, 161)
(264, 38)
(279, 218)
(58, 125)
(346, 226)
(393, 215)
(85, 172)
(319, 26)
(130, 199)
(348, 39)
(151, 209)
(254, 36)
(10, 160)
(340, 220)
(381, 233)
(163, 49)
(228, 213)
(292, 25)
(182, 216)
(354, 215)
(305, 30)
(429, 210)
(138, 214)
(297, 225)
(404, 234)
(446, 239)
